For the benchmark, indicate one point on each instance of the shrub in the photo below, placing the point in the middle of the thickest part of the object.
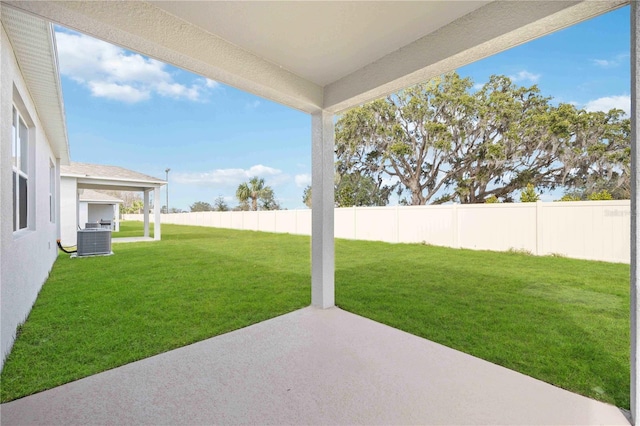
(570, 197)
(529, 195)
(600, 196)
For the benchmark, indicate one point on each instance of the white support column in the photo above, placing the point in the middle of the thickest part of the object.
(322, 245)
(145, 213)
(156, 214)
(116, 217)
(78, 210)
(635, 202)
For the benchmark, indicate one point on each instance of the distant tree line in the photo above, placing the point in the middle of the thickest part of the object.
(252, 196)
(219, 205)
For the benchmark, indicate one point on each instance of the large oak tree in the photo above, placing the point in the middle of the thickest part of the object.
(446, 140)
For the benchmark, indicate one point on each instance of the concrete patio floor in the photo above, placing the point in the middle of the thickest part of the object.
(311, 366)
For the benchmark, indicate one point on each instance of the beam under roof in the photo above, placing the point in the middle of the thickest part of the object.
(152, 31)
(491, 29)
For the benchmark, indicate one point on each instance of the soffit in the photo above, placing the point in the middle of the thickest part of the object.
(33, 42)
(97, 196)
(320, 41)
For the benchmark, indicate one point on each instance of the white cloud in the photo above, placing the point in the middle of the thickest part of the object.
(612, 62)
(231, 177)
(261, 171)
(302, 180)
(603, 62)
(177, 91)
(111, 72)
(607, 103)
(211, 84)
(525, 76)
(124, 93)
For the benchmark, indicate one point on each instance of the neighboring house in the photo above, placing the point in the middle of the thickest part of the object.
(76, 178)
(33, 146)
(94, 206)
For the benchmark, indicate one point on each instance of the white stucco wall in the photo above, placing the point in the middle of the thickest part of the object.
(97, 212)
(68, 211)
(26, 257)
(83, 214)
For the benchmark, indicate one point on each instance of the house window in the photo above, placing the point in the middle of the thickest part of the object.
(52, 192)
(20, 166)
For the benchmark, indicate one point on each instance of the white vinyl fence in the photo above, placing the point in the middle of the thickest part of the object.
(594, 230)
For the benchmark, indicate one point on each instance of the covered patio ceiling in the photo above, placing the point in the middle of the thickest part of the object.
(318, 55)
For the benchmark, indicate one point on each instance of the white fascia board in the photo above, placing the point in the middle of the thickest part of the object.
(82, 180)
(491, 29)
(115, 187)
(120, 181)
(63, 138)
(144, 28)
(112, 203)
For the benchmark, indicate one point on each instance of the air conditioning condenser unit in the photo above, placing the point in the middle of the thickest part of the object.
(94, 241)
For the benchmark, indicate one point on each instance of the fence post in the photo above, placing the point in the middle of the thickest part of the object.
(355, 223)
(539, 228)
(454, 226)
(397, 224)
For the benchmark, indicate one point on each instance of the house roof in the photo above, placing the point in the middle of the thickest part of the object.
(33, 41)
(326, 55)
(101, 177)
(91, 195)
(100, 171)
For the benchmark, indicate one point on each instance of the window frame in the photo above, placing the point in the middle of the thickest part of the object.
(21, 170)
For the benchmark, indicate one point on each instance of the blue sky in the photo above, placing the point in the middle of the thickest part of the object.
(131, 111)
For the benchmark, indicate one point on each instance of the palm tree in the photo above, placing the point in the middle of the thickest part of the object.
(253, 190)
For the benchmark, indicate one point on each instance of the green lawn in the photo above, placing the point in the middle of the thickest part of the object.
(561, 320)
(132, 229)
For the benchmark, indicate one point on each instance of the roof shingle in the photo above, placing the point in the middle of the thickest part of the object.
(105, 172)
